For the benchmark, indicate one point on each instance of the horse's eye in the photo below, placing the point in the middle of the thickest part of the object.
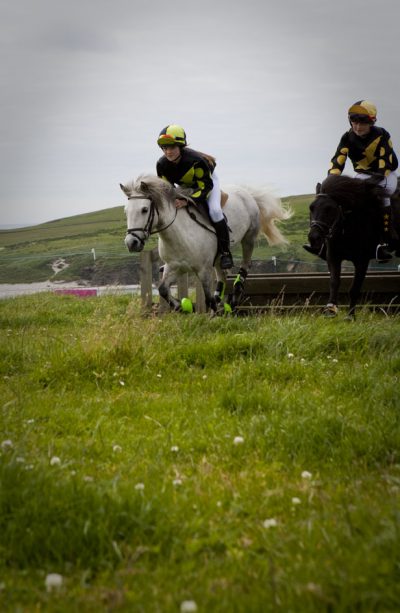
(144, 209)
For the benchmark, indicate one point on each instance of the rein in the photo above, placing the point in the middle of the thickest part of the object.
(193, 216)
(147, 230)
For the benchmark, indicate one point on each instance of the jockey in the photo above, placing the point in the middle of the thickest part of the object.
(185, 167)
(371, 153)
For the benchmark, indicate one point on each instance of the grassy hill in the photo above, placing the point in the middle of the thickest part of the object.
(92, 245)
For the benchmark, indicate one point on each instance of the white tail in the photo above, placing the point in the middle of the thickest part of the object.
(271, 210)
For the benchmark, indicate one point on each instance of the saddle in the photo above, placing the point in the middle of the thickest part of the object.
(202, 211)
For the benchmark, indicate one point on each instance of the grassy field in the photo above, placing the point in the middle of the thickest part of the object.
(181, 463)
(27, 254)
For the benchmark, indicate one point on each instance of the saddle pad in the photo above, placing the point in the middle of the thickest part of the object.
(224, 198)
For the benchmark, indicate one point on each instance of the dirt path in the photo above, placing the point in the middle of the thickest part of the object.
(9, 290)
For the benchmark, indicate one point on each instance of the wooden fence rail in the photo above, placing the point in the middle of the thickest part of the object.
(263, 290)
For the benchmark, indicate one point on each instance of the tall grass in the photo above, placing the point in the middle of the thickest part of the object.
(246, 464)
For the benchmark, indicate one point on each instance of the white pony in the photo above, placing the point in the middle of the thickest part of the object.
(186, 239)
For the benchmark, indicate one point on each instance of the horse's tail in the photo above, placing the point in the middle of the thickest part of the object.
(271, 210)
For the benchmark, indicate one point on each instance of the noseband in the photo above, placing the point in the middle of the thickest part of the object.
(327, 229)
(147, 230)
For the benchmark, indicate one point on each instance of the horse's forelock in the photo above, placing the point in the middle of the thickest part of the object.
(153, 186)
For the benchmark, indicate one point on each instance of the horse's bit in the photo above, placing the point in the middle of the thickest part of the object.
(326, 229)
(147, 230)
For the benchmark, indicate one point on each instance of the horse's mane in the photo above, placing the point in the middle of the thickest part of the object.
(150, 185)
(349, 191)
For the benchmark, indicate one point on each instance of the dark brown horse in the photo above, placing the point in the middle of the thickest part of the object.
(344, 225)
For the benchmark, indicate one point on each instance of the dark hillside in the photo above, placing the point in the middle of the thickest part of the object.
(89, 248)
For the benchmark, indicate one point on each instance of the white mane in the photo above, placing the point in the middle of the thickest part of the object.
(155, 186)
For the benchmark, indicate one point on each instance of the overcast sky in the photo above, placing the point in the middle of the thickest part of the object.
(264, 85)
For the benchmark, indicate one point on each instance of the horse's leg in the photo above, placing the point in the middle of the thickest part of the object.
(205, 276)
(335, 268)
(169, 277)
(239, 282)
(360, 270)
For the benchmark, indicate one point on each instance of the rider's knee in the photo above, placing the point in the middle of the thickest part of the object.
(215, 214)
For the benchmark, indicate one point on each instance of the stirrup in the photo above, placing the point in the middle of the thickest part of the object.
(382, 256)
(226, 261)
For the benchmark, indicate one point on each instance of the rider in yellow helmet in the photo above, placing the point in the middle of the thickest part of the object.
(185, 167)
(371, 152)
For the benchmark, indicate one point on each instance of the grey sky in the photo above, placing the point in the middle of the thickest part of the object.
(263, 85)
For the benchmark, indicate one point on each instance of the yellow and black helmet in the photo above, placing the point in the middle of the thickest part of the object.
(363, 110)
(172, 135)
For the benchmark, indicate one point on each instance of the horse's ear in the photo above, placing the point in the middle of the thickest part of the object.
(318, 188)
(124, 189)
(144, 187)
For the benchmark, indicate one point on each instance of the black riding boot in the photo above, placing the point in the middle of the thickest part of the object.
(321, 252)
(312, 250)
(222, 230)
(382, 254)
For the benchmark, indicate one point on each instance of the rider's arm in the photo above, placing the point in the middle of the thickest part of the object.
(339, 159)
(387, 157)
(202, 181)
(161, 173)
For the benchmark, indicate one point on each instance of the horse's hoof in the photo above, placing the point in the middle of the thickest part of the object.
(222, 309)
(330, 310)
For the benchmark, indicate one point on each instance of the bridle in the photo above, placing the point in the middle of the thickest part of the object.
(327, 230)
(147, 230)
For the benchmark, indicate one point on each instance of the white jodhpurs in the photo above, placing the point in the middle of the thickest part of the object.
(389, 184)
(214, 201)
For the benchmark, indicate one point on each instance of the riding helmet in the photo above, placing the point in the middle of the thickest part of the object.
(364, 110)
(172, 135)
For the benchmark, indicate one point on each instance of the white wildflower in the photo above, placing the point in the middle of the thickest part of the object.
(7, 445)
(139, 486)
(159, 375)
(53, 581)
(290, 355)
(306, 475)
(117, 448)
(335, 360)
(314, 588)
(296, 500)
(88, 479)
(174, 448)
(238, 440)
(204, 377)
(270, 523)
(177, 482)
(55, 461)
(188, 606)
(122, 382)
